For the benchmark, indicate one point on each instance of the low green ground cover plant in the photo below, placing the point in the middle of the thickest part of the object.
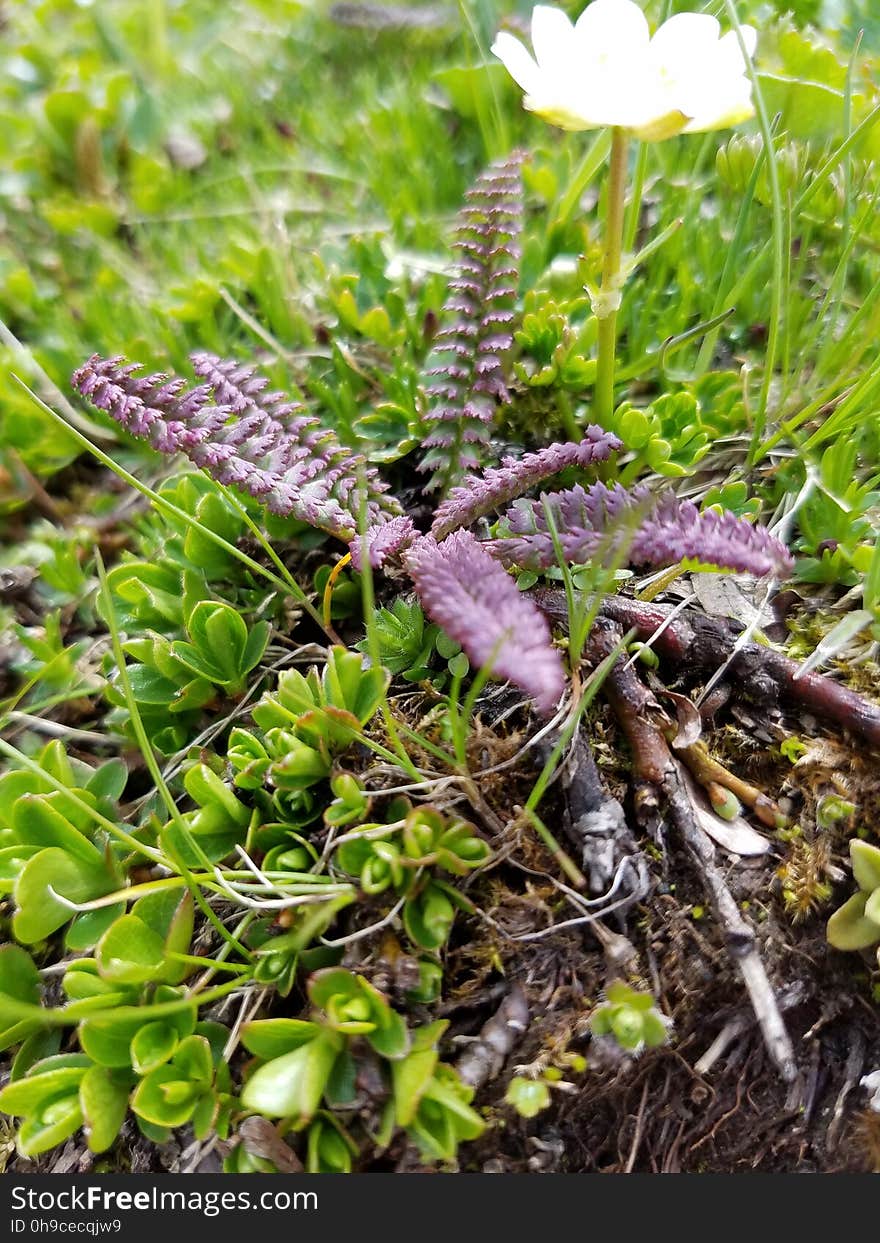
(375, 403)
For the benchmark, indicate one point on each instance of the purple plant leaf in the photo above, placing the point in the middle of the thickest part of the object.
(651, 531)
(678, 531)
(466, 592)
(384, 542)
(498, 485)
(247, 438)
(466, 373)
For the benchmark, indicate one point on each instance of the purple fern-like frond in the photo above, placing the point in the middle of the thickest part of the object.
(498, 485)
(466, 373)
(246, 438)
(678, 531)
(616, 520)
(240, 386)
(384, 542)
(466, 592)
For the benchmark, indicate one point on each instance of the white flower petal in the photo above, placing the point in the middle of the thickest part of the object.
(701, 74)
(686, 33)
(552, 36)
(684, 51)
(517, 61)
(623, 99)
(737, 106)
(660, 127)
(750, 39)
(729, 50)
(556, 111)
(612, 30)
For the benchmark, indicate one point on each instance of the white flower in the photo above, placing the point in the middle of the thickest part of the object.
(607, 70)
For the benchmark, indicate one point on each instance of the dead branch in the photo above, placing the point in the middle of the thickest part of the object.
(657, 782)
(596, 824)
(484, 1058)
(855, 1064)
(760, 674)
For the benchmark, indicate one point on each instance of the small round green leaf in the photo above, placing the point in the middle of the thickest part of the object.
(292, 1086)
(866, 864)
(152, 1046)
(130, 953)
(103, 1101)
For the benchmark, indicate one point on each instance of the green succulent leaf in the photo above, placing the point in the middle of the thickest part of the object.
(328, 1149)
(54, 872)
(19, 982)
(88, 927)
(654, 1030)
(42, 1043)
(410, 1077)
(103, 1102)
(152, 1045)
(428, 917)
(194, 1059)
(59, 1120)
(12, 861)
(208, 790)
(292, 1086)
(131, 953)
(866, 864)
(164, 1099)
(38, 821)
(108, 781)
(850, 928)
(169, 914)
(527, 1096)
(47, 1081)
(108, 1041)
(272, 1038)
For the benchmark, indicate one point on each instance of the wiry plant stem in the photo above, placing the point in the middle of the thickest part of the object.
(607, 303)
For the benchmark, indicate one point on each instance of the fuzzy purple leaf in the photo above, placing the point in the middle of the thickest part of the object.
(384, 542)
(498, 485)
(678, 531)
(466, 374)
(246, 438)
(466, 592)
(648, 530)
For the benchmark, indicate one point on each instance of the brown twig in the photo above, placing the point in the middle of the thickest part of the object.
(657, 781)
(855, 1064)
(596, 824)
(759, 673)
(484, 1058)
(709, 772)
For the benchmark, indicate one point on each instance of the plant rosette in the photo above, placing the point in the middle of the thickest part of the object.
(630, 1018)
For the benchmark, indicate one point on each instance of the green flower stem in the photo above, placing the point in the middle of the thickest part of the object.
(566, 863)
(608, 301)
(566, 415)
(193, 960)
(71, 1014)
